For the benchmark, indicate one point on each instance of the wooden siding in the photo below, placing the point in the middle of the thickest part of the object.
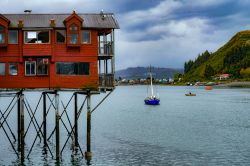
(37, 50)
(50, 81)
(56, 53)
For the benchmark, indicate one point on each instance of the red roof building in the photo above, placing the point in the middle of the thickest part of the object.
(224, 76)
(57, 50)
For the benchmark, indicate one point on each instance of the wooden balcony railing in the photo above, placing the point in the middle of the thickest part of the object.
(106, 48)
(106, 81)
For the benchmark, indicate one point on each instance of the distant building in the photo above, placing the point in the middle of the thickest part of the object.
(224, 76)
(57, 50)
(221, 76)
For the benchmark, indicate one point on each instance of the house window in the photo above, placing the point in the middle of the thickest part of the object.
(13, 69)
(2, 35)
(2, 69)
(30, 68)
(60, 36)
(42, 66)
(86, 37)
(72, 68)
(37, 37)
(73, 34)
(39, 66)
(13, 37)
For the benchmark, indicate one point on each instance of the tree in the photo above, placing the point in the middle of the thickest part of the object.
(209, 71)
(177, 76)
(188, 65)
(202, 58)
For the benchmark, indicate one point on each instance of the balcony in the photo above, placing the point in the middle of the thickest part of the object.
(106, 81)
(106, 53)
(106, 49)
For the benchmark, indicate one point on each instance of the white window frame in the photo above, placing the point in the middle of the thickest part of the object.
(37, 41)
(10, 73)
(73, 30)
(82, 36)
(16, 36)
(30, 69)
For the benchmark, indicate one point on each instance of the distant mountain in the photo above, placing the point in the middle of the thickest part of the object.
(142, 72)
(233, 58)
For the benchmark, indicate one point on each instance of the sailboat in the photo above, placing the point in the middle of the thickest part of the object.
(152, 99)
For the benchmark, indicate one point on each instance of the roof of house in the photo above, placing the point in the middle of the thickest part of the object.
(225, 75)
(102, 20)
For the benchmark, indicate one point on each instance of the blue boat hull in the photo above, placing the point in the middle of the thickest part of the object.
(152, 101)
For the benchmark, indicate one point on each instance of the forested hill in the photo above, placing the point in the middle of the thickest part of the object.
(142, 72)
(233, 58)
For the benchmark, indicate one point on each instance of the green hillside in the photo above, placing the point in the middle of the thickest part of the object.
(233, 58)
(142, 72)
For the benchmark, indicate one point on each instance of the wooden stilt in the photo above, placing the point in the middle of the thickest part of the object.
(22, 125)
(19, 121)
(76, 121)
(44, 120)
(88, 151)
(57, 127)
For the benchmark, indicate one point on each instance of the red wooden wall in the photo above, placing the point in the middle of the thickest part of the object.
(57, 53)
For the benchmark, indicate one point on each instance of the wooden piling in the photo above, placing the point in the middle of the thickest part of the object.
(88, 151)
(57, 127)
(76, 121)
(19, 121)
(44, 120)
(22, 125)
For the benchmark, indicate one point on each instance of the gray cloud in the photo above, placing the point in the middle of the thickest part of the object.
(163, 33)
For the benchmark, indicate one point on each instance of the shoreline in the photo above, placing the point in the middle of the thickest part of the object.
(234, 84)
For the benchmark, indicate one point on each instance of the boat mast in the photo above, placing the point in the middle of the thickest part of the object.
(152, 91)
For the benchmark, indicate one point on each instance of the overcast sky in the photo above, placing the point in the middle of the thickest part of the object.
(162, 33)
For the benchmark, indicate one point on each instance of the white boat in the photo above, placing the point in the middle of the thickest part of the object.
(152, 99)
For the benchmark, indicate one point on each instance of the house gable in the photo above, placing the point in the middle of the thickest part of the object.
(73, 25)
(73, 18)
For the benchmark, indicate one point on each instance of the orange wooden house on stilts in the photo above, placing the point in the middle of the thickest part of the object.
(57, 51)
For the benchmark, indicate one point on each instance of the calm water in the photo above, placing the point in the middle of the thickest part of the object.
(212, 128)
